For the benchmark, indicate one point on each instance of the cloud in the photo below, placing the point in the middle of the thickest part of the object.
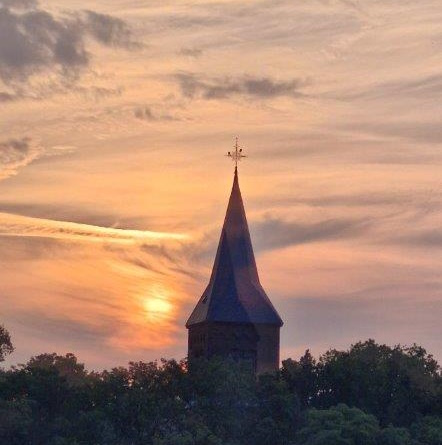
(191, 52)
(424, 87)
(406, 199)
(18, 4)
(429, 132)
(148, 114)
(34, 41)
(193, 86)
(132, 313)
(7, 97)
(16, 153)
(356, 200)
(71, 213)
(424, 239)
(17, 225)
(273, 233)
(76, 332)
(335, 321)
(16, 249)
(109, 31)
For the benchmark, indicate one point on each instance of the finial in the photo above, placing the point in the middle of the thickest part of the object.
(236, 155)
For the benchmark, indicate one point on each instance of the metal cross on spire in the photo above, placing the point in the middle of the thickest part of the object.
(236, 155)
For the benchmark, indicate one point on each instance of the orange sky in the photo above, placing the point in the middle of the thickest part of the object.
(114, 120)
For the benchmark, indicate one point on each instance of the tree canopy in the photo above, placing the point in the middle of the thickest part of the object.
(370, 394)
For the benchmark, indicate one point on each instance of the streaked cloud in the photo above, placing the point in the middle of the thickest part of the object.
(418, 88)
(17, 225)
(147, 113)
(194, 86)
(191, 52)
(429, 132)
(71, 213)
(424, 239)
(274, 233)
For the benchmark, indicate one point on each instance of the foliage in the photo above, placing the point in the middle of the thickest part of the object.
(338, 425)
(398, 385)
(428, 430)
(5, 343)
(395, 436)
(368, 395)
(302, 377)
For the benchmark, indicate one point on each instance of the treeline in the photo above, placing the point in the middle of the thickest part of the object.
(369, 395)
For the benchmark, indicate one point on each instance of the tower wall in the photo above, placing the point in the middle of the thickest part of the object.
(268, 348)
(256, 344)
(197, 341)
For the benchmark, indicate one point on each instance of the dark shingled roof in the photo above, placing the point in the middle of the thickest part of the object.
(234, 293)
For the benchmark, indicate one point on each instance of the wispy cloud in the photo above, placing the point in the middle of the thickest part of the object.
(18, 153)
(147, 113)
(35, 41)
(429, 132)
(17, 225)
(194, 86)
(190, 52)
(274, 233)
(108, 30)
(72, 213)
(423, 239)
(417, 88)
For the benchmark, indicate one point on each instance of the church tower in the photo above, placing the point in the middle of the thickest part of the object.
(234, 317)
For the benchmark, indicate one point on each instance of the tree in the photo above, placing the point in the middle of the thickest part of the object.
(277, 415)
(339, 425)
(65, 366)
(428, 430)
(6, 347)
(397, 385)
(301, 377)
(15, 421)
(395, 436)
(223, 394)
(53, 400)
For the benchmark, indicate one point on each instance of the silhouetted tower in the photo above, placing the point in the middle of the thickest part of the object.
(234, 317)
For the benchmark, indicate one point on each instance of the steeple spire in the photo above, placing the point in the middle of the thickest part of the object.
(234, 293)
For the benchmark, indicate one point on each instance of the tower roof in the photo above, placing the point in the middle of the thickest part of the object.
(234, 293)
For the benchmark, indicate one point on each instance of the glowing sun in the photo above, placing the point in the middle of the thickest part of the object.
(156, 303)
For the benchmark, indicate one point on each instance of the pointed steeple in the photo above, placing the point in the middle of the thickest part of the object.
(234, 293)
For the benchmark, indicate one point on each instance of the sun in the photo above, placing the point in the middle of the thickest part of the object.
(156, 303)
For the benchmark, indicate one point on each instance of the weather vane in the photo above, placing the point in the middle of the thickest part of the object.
(237, 154)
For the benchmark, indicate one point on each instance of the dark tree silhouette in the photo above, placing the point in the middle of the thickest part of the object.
(5, 343)
(338, 425)
(368, 395)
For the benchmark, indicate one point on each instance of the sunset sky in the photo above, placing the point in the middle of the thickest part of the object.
(115, 117)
